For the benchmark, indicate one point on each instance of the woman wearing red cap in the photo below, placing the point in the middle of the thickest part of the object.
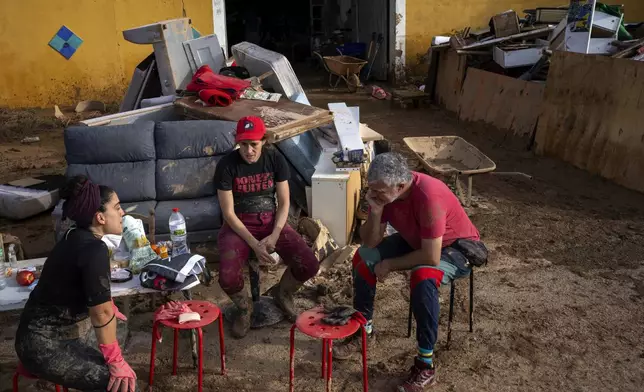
(248, 181)
(74, 289)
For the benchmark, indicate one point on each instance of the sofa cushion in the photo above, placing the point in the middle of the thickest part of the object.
(194, 139)
(132, 181)
(185, 178)
(201, 214)
(110, 144)
(139, 207)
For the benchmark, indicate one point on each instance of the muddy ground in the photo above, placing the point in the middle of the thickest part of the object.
(558, 308)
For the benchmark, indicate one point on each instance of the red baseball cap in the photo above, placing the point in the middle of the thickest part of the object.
(250, 128)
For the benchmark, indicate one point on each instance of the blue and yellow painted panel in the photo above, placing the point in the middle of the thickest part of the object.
(38, 70)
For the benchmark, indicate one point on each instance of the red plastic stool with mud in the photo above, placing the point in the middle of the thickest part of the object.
(209, 313)
(310, 323)
(22, 372)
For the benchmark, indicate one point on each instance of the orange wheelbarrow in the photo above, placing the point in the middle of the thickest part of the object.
(345, 68)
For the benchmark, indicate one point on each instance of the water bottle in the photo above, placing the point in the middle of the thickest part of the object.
(3, 276)
(178, 233)
(12, 259)
(3, 270)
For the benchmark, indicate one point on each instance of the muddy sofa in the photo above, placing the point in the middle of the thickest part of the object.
(159, 166)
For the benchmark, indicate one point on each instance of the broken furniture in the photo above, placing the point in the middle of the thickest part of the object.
(260, 61)
(505, 24)
(167, 38)
(209, 313)
(283, 119)
(177, 55)
(310, 323)
(158, 166)
(452, 290)
(22, 372)
(451, 156)
(27, 197)
(587, 30)
(345, 68)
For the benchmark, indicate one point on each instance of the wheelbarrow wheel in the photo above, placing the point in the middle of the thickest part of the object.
(353, 82)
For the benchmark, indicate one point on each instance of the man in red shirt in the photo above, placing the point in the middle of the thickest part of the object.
(431, 225)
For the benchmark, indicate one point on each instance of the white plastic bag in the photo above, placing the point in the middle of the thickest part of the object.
(137, 243)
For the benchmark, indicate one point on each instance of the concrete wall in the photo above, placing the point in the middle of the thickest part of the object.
(34, 75)
(427, 18)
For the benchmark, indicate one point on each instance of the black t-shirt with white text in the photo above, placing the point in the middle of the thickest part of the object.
(252, 184)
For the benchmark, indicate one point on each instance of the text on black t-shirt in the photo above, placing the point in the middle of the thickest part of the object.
(252, 184)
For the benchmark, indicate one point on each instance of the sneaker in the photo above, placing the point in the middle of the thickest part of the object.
(352, 346)
(421, 378)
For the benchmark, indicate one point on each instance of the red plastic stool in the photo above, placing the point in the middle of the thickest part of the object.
(209, 312)
(22, 372)
(310, 323)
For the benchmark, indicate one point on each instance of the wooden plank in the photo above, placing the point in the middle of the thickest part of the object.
(451, 74)
(591, 116)
(283, 119)
(527, 34)
(512, 105)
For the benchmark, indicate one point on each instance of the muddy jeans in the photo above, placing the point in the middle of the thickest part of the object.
(234, 251)
(424, 283)
(72, 363)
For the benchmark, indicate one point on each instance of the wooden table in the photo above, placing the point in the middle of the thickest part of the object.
(283, 119)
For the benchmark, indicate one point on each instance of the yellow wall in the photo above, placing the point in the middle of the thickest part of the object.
(34, 75)
(427, 18)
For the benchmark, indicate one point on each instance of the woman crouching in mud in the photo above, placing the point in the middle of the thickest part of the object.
(247, 180)
(51, 340)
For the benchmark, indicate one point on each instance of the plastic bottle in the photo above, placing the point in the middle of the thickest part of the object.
(11, 256)
(3, 270)
(178, 233)
(3, 277)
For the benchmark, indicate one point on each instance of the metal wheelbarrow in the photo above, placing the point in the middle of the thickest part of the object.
(451, 156)
(345, 68)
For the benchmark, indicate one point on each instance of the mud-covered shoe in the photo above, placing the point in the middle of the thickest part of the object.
(241, 324)
(351, 347)
(421, 378)
(283, 294)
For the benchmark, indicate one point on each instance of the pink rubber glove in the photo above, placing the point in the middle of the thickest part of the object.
(122, 377)
(117, 312)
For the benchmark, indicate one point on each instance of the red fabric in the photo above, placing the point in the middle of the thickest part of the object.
(421, 274)
(250, 128)
(361, 269)
(214, 97)
(205, 79)
(430, 210)
(170, 311)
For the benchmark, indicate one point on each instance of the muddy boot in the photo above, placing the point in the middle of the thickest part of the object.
(422, 377)
(241, 325)
(283, 294)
